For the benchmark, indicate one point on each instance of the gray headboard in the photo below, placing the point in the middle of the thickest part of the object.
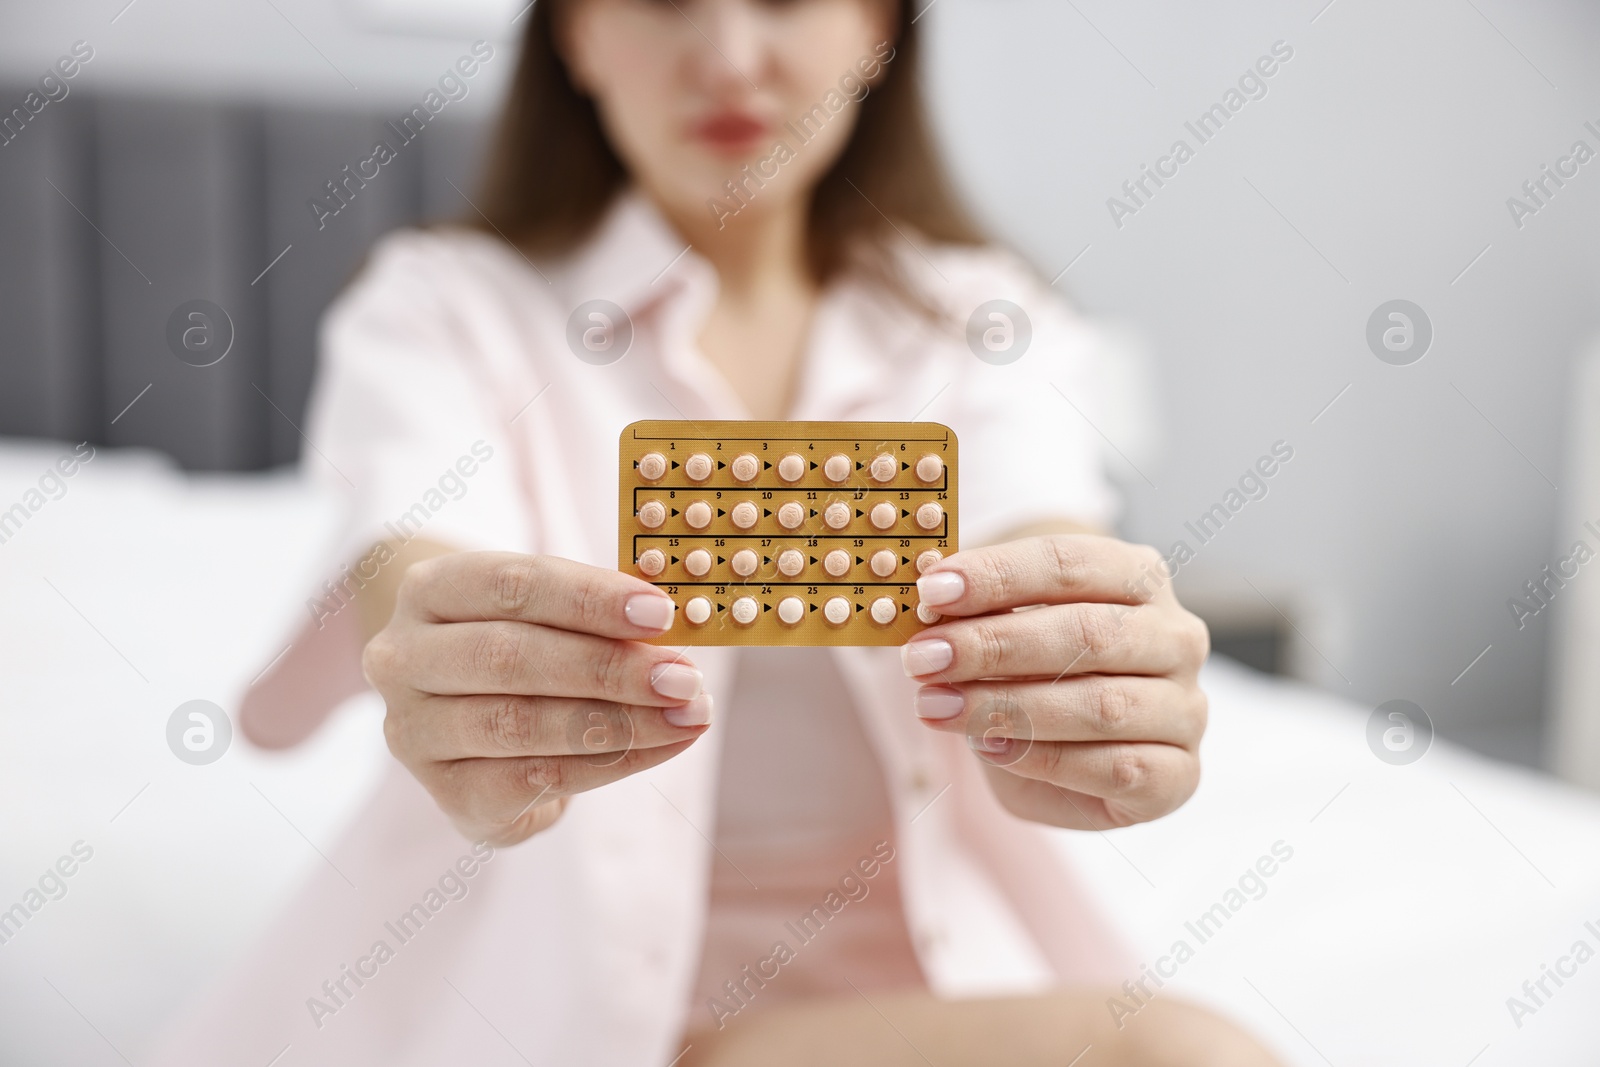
(115, 212)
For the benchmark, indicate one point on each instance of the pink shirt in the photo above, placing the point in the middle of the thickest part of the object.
(449, 405)
(803, 812)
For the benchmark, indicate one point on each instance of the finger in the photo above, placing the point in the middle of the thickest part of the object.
(497, 792)
(1096, 707)
(1043, 802)
(451, 728)
(471, 658)
(548, 590)
(1142, 779)
(1057, 640)
(1054, 569)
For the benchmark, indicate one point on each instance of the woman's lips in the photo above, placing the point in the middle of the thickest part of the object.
(730, 131)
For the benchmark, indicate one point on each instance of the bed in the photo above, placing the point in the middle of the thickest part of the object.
(1413, 902)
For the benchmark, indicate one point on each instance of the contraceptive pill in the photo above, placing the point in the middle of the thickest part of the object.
(791, 609)
(652, 513)
(652, 465)
(697, 610)
(792, 468)
(697, 468)
(745, 467)
(799, 533)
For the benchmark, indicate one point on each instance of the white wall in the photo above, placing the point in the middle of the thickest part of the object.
(1389, 143)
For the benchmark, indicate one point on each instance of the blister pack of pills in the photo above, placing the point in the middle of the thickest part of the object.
(787, 533)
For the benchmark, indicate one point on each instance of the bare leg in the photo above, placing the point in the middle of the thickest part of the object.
(914, 1029)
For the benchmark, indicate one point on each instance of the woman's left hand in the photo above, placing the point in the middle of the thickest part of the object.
(1086, 708)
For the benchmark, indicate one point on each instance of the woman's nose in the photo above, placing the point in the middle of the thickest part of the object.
(732, 35)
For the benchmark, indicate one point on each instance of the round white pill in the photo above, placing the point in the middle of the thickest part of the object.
(837, 515)
(927, 559)
(884, 563)
(927, 614)
(652, 513)
(837, 467)
(790, 562)
(884, 516)
(698, 467)
(836, 610)
(745, 467)
(652, 465)
(698, 563)
(929, 468)
(791, 609)
(792, 468)
(697, 610)
(883, 467)
(744, 610)
(652, 561)
(698, 515)
(837, 563)
(744, 563)
(930, 515)
(883, 611)
(745, 514)
(791, 515)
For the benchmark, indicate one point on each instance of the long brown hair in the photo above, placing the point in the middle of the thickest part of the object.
(551, 172)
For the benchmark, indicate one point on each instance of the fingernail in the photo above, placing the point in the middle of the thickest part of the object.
(985, 745)
(678, 681)
(926, 656)
(939, 702)
(941, 587)
(695, 713)
(649, 611)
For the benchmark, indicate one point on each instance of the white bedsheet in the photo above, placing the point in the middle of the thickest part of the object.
(1417, 900)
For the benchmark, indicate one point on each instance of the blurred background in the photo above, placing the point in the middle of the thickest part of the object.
(1379, 161)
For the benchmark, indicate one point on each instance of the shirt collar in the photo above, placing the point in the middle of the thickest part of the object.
(634, 258)
(861, 340)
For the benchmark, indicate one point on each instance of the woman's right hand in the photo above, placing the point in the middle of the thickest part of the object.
(514, 682)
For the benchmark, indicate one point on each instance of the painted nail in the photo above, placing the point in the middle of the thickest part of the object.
(650, 612)
(941, 587)
(695, 713)
(939, 702)
(984, 745)
(926, 656)
(677, 681)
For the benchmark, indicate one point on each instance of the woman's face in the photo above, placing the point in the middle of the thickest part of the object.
(693, 92)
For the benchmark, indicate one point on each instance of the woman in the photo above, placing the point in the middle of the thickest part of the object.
(749, 186)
